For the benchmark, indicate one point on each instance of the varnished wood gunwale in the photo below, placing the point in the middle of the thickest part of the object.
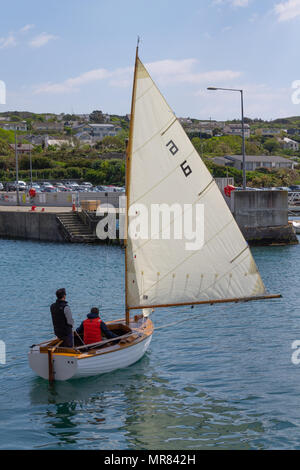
(145, 330)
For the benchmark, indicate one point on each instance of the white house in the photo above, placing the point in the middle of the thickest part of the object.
(255, 161)
(290, 144)
(96, 131)
(11, 126)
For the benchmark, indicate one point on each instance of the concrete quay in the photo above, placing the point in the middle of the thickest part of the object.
(262, 216)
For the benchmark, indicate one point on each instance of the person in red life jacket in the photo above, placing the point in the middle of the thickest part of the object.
(62, 319)
(93, 328)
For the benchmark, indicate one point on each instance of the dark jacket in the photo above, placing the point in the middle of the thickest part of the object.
(61, 326)
(109, 334)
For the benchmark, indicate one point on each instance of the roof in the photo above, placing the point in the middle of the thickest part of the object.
(287, 140)
(258, 158)
(58, 142)
(101, 125)
(22, 146)
(232, 126)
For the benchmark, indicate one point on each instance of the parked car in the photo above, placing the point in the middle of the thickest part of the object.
(72, 186)
(1, 187)
(295, 187)
(9, 186)
(22, 186)
(50, 189)
(61, 187)
(82, 188)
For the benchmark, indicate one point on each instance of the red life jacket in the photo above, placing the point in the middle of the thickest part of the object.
(92, 331)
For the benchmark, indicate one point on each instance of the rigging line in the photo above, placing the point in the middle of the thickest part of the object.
(153, 136)
(212, 284)
(234, 259)
(187, 258)
(177, 322)
(143, 94)
(173, 122)
(209, 184)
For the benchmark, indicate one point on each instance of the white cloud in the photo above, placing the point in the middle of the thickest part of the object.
(226, 28)
(261, 100)
(240, 3)
(72, 84)
(182, 71)
(233, 3)
(164, 72)
(26, 28)
(288, 10)
(9, 41)
(41, 40)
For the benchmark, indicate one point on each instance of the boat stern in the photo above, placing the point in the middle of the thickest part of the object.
(64, 366)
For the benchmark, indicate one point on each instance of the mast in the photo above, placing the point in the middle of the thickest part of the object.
(127, 177)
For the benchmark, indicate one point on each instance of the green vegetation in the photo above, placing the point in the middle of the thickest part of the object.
(104, 163)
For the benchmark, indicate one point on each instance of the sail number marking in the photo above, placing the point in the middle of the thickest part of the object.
(174, 149)
(186, 168)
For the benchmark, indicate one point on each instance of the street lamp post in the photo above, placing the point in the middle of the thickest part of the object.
(17, 168)
(243, 128)
(30, 162)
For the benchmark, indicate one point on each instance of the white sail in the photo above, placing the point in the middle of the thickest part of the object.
(165, 168)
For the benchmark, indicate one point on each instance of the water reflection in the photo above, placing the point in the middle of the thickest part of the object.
(163, 418)
(82, 390)
(222, 380)
(145, 410)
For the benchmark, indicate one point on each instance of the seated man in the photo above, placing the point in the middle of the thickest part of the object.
(93, 327)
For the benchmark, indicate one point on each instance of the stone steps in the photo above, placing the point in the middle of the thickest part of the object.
(74, 230)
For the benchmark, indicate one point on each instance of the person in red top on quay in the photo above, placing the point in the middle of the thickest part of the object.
(93, 327)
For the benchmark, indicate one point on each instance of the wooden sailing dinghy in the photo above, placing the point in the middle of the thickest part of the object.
(162, 167)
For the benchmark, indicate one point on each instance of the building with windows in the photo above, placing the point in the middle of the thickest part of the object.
(48, 126)
(11, 126)
(269, 132)
(96, 131)
(236, 129)
(22, 149)
(253, 162)
(290, 144)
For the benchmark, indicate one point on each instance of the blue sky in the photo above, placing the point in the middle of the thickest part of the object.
(77, 55)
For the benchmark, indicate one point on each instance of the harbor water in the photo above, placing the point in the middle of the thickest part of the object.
(221, 379)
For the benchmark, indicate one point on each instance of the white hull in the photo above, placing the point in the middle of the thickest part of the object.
(112, 361)
(70, 366)
(296, 226)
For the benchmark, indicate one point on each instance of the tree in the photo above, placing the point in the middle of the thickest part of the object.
(272, 145)
(97, 117)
